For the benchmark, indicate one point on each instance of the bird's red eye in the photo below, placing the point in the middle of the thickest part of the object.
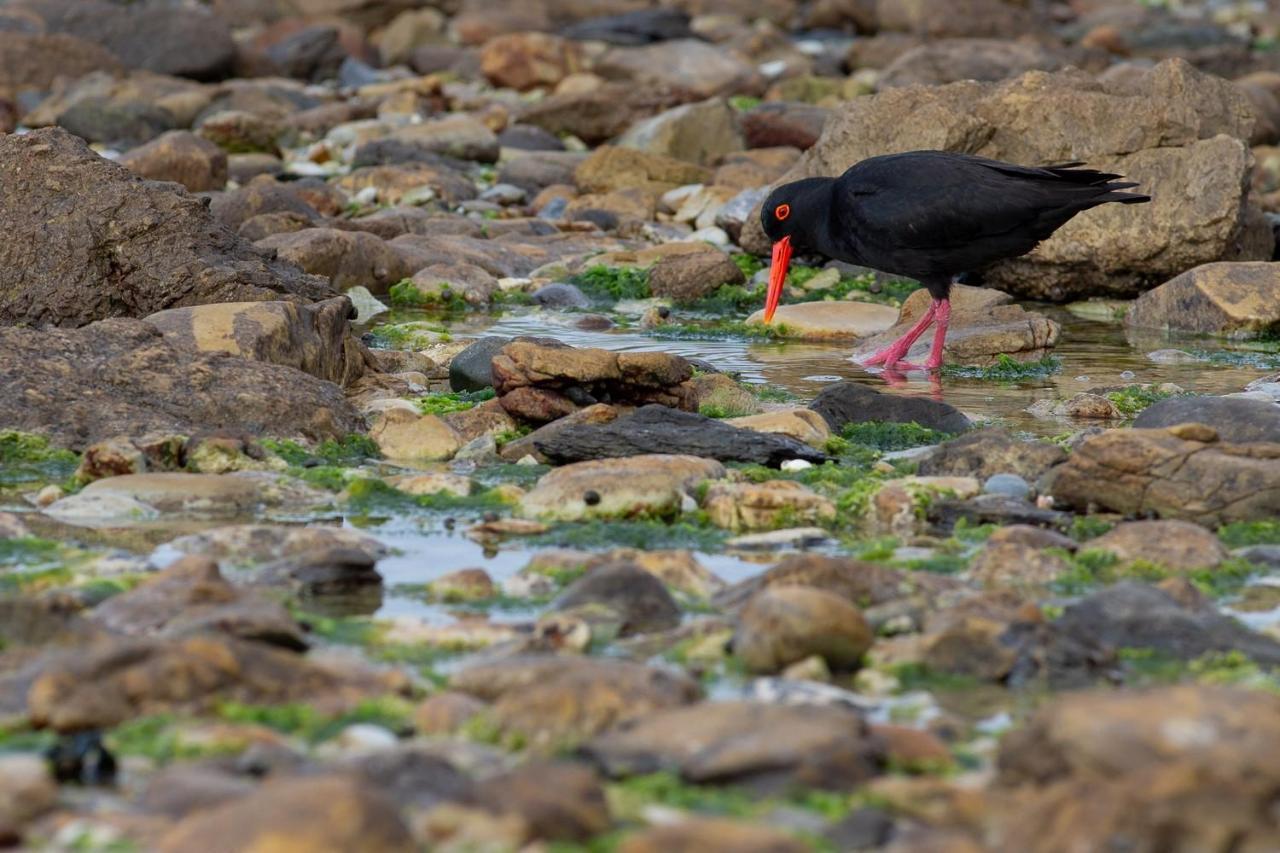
(781, 212)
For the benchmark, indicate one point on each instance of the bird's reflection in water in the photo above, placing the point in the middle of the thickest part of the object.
(896, 378)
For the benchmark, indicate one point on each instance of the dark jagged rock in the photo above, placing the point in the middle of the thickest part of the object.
(1134, 615)
(633, 28)
(851, 403)
(472, 369)
(86, 239)
(658, 429)
(1236, 419)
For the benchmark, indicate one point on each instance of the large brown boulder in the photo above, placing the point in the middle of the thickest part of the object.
(1179, 472)
(182, 157)
(1094, 770)
(123, 377)
(85, 239)
(1240, 300)
(346, 258)
(542, 383)
(1181, 134)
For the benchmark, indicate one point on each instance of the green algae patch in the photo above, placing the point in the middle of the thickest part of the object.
(308, 723)
(352, 449)
(454, 401)
(886, 436)
(370, 494)
(720, 330)
(613, 284)
(414, 335)
(655, 534)
(1240, 534)
(405, 293)
(1131, 401)
(27, 459)
(1007, 369)
(1092, 569)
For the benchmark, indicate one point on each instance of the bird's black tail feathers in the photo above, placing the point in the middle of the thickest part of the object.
(1110, 183)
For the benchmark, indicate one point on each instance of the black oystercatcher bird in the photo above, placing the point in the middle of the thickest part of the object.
(931, 216)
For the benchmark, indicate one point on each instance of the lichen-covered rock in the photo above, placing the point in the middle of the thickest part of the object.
(542, 383)
(636, 485)
(87, 239)
(315, 339)
(766, 506)
(1180, 472)
(122, 377)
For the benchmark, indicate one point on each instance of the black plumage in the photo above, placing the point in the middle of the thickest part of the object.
(934, 215)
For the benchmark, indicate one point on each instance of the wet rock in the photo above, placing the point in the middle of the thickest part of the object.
(899, 507)
(346, 258)
(718, 394)
(1236, 299)
(1082, 406)
(121, 377)
(1125, 760)
(1177, 128)
(1235, 419)
(784, 123)
(634, 597)
(1179, 472)
(654, 429)
(301, 809)
(859, 583)
(1179, 546)
(559, 295)
(700, 133)
(693, 68)
(610, 168)
(707, 833)
(161, 249)
(560, 800)
(250, 544)
(178, 40)
(721, 743)
(182, 157)
(983, 328)
(647, 484)
(462, 585)
(553, 699)
(314, 339)
(678, 570)
(528, 60)
(34, 61)
(192, 597)
(801, 424)
(996, 637)
(537, 170)
(240, 132)
(1021, 566)
(210, 495)
(454, 135)
(784, 624)
(442, 282)
(632, 28)
(433, 483)
(950, 60)
(514, 451)
(597, 115)
(118, 680)
(849, 403)
(263, 196)
(766, 506)
(1134, 615)
(27, 791)
(402, 434)
(471, 370)
(541, 383)
(690, 277)
(989, 452)
(830, 321)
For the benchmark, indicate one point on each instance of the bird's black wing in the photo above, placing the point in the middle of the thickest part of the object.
(929, 213)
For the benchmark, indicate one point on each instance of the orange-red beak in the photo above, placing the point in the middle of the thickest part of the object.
(777, 276)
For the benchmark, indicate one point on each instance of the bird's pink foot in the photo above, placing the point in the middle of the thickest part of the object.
(894, 353)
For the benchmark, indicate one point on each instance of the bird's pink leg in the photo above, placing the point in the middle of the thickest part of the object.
(894, 352)
(939, 334)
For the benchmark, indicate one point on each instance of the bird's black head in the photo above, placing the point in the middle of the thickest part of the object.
(790, 216)
(793, 210)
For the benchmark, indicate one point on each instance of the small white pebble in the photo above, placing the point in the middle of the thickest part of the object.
(687, 503)
(527, 459)
(796, 465)
(48, 495)
(368, 195)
